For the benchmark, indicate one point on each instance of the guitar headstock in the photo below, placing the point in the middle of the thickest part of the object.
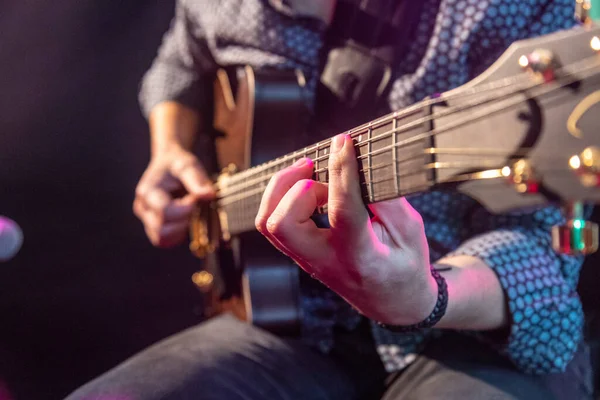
(525, 132)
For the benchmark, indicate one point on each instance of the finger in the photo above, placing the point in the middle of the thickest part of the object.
(276, 189)
(403, 223)
(346, 208)
(167, 208)
(179, 210)
(138, 208)
(291, 225)
(278, 186)
(152, 222)
(194, 179)
(170, 235)
(164, 235)
(157, 200)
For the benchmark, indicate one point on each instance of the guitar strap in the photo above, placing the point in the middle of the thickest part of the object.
(364, 42)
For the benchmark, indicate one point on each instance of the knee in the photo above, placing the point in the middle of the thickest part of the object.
(203, 362)
(480, 383)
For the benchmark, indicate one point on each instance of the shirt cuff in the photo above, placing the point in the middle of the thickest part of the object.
(545, 311)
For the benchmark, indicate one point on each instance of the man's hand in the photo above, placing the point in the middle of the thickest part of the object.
(166, 218)
(380, 265)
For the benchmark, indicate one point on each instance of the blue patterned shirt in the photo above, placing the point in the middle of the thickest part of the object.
(455, 41)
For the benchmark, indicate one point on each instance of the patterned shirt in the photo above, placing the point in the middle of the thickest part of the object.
(455, 40)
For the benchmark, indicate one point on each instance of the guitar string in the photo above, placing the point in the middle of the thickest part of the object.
(232, 199)
(451, 95)
(231, 186)
(249, 193)
(425, 135)
(252, 194)
(432, 150)
(484, 114)
(254, 202)
(363, 129)
(434, 132)
(420, 153)
(247, 218)
(405, 112)
(501, 84)
(379, 137)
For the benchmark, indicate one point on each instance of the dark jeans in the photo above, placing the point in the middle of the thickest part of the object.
(228, 360)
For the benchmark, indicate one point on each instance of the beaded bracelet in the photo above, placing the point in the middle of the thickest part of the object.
(436, 315)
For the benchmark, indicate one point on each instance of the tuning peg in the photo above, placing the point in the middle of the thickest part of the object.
(582, 11)
(522, 176)
(577, 236)
(541, 62)
(587, 166)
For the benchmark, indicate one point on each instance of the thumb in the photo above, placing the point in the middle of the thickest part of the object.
(194, 179)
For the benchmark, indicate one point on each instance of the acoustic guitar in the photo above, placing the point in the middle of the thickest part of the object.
(522, 134)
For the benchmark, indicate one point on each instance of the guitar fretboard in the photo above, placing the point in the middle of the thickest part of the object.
(402, 153)
(391, 153)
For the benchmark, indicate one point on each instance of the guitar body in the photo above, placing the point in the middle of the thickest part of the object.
(259, 116)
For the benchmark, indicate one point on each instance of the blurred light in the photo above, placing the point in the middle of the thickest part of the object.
(202, 279)
(575, 162)
(595, 43)
(523, 61)
(489, 174)
(588, 157)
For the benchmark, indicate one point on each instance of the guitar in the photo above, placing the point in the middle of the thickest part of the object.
(522, 134)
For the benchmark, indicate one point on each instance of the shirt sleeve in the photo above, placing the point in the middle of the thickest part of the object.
(178, 73)
(539, 285)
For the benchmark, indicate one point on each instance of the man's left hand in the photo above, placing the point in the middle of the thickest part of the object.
(380, 265)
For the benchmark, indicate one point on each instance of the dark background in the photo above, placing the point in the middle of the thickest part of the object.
(87, 289)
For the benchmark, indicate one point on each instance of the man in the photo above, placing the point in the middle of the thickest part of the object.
(506, 320)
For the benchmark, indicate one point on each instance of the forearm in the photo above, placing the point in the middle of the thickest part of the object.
(475, 297)
(173, 126)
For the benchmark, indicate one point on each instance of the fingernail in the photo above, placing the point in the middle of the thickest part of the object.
(301, 162)
(337, 143)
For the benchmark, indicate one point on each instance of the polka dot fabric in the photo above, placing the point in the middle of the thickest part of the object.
(455, 40)
(206, 34)
(539, 284)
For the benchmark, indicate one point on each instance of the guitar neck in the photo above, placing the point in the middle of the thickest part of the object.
(393, 153)
(519, 135)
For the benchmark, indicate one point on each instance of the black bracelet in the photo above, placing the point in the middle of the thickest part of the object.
(436, 315)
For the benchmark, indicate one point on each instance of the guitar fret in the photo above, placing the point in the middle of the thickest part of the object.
(370, 163)
(395, 156)
(317, 167)
(322, 163)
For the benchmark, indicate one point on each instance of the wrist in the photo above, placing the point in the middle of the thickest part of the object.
(425, 300)
(429, 308)
(430, 297)
(172, 149)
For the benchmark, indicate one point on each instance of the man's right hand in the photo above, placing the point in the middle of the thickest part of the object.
(166, 217)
